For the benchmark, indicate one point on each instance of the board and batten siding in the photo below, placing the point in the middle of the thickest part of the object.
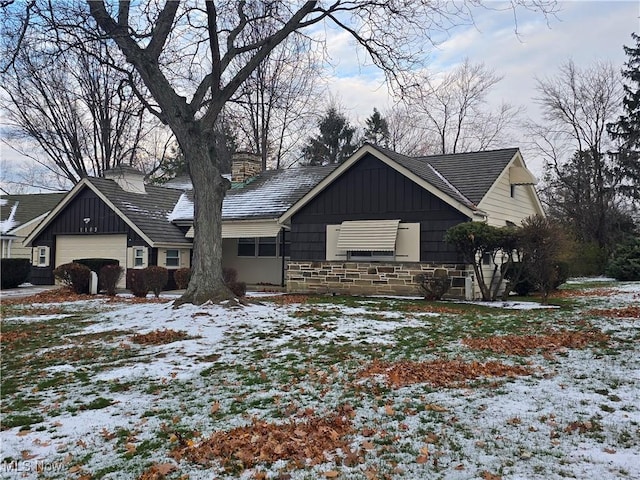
(86, 216)
(501, 207)
(371, 190)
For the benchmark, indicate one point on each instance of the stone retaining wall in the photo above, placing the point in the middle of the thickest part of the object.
(377, 278)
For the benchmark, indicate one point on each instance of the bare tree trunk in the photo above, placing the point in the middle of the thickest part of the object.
(206, 282)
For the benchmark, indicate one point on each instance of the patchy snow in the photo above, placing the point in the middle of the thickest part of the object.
(512, 305)
(524, 428)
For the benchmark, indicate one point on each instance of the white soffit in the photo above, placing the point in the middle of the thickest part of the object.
(368, 235)
(245, 230)
(521, 176)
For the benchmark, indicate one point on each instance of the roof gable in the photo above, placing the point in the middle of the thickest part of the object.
(145, 213)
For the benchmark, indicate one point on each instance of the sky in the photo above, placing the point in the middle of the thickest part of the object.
(583, 31)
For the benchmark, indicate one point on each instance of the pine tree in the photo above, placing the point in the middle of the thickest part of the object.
(627, 129)
(334, 144)
(377, 129)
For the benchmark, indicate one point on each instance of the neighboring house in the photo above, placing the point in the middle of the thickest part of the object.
(19, 215)
(115, 217)
(379, 219)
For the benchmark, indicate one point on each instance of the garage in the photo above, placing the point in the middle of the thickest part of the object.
(73, 247)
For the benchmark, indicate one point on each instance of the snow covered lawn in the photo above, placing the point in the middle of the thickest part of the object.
(323, 387)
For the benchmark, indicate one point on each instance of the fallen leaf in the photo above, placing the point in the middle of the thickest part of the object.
(331, 474)
(26, 455)
(432, 407)
(609, 450)
(368, 445)
(388, 409)
(22, 433)
(422, 459)
(215, 407)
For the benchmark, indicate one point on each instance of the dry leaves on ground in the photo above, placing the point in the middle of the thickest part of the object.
(632, 311)
(586, 292)
(441, 373)
(527, 344)
(431, 308)
(264, 442)
(159, 337)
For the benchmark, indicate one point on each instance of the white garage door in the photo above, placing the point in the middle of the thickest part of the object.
(73, 247)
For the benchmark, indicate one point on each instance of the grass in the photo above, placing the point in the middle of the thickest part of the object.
(147, 384)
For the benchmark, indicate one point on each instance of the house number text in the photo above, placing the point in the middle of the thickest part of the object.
(88, 229)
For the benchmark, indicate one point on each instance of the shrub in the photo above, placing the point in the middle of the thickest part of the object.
(182, 277)
(137, 282)
(156, 278)
(14, 271)
(230, 278)
(74, 275)
(109, 277)
(625, 262)
(517, 272)
(434, 287)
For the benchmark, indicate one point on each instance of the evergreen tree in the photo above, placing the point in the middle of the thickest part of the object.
(377, 129)
(627, 129)
(334, 144)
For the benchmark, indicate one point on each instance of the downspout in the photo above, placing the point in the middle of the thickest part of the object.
(283, 231)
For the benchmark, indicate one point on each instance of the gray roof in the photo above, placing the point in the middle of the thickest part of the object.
(147, 211)
(27, 208)
(466, 177)
(268, 195)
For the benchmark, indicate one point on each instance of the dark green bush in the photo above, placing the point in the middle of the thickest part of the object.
(156, 278)
(625, 261)
(137, 282)
(109, 277)
(74, 275)
(96, 264)
(434, 286)
(182, 277)
(14, 271)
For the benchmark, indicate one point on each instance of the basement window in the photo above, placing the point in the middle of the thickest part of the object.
(372, 256)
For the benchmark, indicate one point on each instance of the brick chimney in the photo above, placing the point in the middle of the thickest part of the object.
(245, 165)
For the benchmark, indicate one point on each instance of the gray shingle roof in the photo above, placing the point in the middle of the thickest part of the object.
(267, 196)
(466, 177)
(29, 206)
(147, 211)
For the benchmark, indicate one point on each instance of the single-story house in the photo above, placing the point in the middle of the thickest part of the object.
(379, 218)
(19, 215)
(368, 225)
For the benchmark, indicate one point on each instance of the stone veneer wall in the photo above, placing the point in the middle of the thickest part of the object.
(377, 278)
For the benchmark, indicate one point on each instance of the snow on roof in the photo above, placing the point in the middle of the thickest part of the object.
(183, 209)
(9, 223)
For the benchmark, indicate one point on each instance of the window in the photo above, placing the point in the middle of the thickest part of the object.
(513, 191)
(173, 258)
(138, 257)
(42, 256)
(381, 255)
(246, 247)
(267, 247)
(487, 259)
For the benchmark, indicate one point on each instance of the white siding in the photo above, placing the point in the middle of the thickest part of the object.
(502, 207)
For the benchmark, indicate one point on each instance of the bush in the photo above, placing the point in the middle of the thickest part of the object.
(137, 282)
(109, 277)
(625, 261)
(156, 279)
(230, 278)
(588, 260)
(523, 284)
(14, 271)
(74, 275)
(434, 287)
(182, 277)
